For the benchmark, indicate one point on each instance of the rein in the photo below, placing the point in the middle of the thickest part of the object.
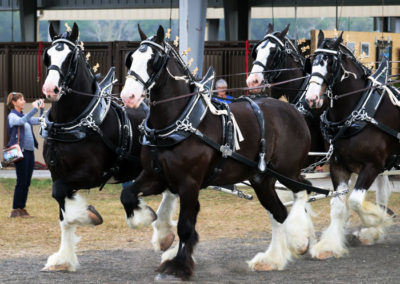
(154, 103)
(364, 89)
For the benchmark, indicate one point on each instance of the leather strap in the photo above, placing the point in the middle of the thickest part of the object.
(282, 179)
(19, 128)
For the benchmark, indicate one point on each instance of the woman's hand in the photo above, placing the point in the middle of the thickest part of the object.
(38, 104)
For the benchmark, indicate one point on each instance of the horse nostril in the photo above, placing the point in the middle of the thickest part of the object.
(56, 90)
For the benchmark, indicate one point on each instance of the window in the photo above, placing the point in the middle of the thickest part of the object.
(364, 51)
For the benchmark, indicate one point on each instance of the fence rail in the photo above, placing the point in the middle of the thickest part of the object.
(20, 63)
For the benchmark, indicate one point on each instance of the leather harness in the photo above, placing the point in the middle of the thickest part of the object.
(188, 123)
(89, 122)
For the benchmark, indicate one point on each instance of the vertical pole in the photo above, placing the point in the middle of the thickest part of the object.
(192, 22)
(337, 23)
(295, 20)
(247, 61)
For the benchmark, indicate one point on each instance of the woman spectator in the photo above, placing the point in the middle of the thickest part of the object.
(20, 129)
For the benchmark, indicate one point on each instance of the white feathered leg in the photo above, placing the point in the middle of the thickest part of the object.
(163, 235)
(277, 255)
(75, 214)
(298, 227)
(143, 216)
(373, 216)
(333, 239)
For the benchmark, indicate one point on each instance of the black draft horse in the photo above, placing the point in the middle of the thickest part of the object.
(362, 125)
(277, 52)
(89, 139)
(175, 155)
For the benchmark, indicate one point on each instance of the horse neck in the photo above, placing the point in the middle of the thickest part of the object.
(164, 114)
(344, 106)
(71, 105)
(290, 89)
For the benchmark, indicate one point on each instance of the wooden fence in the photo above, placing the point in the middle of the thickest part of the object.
(21, 64)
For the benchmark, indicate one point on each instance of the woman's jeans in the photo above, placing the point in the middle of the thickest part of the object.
(24, 169)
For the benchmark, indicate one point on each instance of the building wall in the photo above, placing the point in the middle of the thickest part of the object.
(359, 38)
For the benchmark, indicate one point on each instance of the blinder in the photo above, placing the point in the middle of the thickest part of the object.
(46, 58)
(128, 59)
(254, 50)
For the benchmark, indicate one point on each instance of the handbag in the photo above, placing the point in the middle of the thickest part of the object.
(13, 153)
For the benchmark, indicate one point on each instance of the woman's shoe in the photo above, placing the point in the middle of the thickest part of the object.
(15, 213)
(25, 214)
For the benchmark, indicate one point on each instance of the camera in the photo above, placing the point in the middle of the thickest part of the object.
(40, 103)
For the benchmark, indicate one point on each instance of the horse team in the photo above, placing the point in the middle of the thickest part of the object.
(91, 140)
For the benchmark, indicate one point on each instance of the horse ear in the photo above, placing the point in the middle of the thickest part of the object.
(338, 41)
(160, 34)
(143, 36)
(52, 32)
(75, 33)
(270, 28)
(128, 60)
(283, 33)
(320, 38)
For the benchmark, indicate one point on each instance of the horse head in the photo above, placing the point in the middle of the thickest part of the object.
(268, 54)
(326, 69)
(145, 66)
(61, 62)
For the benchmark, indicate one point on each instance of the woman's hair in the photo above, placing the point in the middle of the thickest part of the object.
(221, 83)
(13, 96)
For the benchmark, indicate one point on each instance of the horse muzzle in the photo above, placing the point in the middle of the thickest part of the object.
(132, 101)
(315, 103)
(253, 81)
(52, 92)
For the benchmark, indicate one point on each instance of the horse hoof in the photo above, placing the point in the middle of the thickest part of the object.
(325, 255)
(304, 249)
(167, 242)
(162, 277)
(94, 216)
(56, 267)
(365, 242)
(154, 214)
(390, 213)
(263, 267)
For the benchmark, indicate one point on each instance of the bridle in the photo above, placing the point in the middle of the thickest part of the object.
(162, 55)
(67, 78)
(336, 66)
(283, 49)
(337, 62)
(159, 62)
